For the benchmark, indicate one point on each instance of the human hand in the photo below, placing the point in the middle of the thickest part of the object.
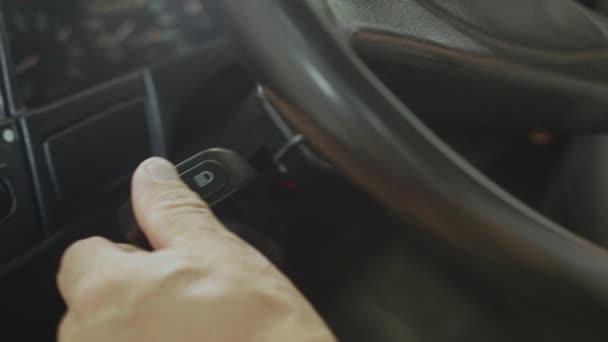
(202, 283)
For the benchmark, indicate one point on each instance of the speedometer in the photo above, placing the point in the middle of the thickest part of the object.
(47, 49)
(135, 31)
(60, 47)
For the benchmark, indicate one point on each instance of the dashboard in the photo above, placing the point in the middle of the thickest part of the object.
(57, 48)
(88, 90)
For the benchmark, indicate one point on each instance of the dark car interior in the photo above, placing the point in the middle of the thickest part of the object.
(423, 170)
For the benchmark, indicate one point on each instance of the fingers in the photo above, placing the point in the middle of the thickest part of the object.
(168, 212)
(83, 260)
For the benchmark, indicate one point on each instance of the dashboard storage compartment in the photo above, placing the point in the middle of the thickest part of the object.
(94, 155)
(84, 149)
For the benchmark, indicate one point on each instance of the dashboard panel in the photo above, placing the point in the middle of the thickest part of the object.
(58, 48)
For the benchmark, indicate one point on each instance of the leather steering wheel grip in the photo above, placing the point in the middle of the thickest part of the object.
(557, 25)
(524, 64)
(302, 53)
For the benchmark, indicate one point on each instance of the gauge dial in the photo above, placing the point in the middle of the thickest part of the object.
(149, 30)
(59, 48)
(45, 47)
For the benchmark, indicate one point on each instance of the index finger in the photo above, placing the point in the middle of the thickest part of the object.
(167, 211)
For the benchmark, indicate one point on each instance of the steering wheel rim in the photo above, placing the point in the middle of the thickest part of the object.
(305, 60)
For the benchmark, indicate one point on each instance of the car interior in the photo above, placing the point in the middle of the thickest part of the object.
(422, 170)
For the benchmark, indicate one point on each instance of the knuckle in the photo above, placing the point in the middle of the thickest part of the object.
(81, 244)
(182, 210)
(178, 198)
(95, 290)
(76, 249)
(184, 266)
(184, 220)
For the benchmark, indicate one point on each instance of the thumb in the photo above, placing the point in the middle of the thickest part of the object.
(168, 212)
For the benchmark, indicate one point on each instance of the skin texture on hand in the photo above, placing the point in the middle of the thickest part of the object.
(201, 283)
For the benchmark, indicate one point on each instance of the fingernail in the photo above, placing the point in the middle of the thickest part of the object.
(160, 169)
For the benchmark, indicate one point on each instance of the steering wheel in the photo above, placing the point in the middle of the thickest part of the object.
(549, 54)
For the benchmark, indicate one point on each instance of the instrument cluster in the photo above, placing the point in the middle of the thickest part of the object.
(60, 47)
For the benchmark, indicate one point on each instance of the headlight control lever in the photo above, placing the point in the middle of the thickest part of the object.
(214, 174)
